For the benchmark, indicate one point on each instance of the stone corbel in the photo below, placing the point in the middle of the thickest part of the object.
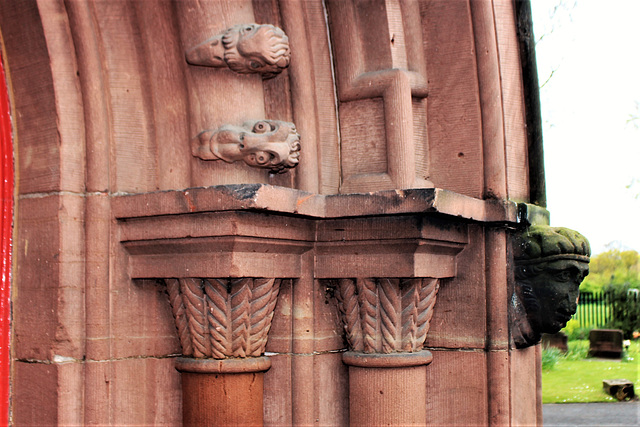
(268, 144)
(245, 49)
(550, 264)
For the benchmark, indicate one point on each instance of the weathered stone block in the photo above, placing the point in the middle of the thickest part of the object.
(620, 389)
(558, 340)
(605, 343)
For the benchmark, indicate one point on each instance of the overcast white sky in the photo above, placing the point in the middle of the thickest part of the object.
(592, 150)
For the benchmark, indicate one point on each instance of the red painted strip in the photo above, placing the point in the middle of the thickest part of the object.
(6, 228)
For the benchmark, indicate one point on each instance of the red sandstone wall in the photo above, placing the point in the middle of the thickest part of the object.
(105, 104)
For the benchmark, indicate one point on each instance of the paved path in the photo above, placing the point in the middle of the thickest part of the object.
(592, 414)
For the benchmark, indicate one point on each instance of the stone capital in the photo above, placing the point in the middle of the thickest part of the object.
(385, 316)
(223, 318)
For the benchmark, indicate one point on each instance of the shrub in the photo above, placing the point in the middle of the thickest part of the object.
(625, 309)
(578, 350)
(575, 332)
(550, 356)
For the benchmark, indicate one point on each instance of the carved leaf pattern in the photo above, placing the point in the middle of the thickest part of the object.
(263, 304)
(368, 299)
(410, 297)
(348, 302)
(390, 312)
(428, 292)
(386, 315)
(180, 315)
(193, 299)
(240, 303)
(219, 315)
(223, 318)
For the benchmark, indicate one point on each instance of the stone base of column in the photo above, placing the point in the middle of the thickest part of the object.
(387, 389)
(222, 392)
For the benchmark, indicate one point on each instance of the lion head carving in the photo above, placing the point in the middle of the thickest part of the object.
(245, 49)
(269, 144)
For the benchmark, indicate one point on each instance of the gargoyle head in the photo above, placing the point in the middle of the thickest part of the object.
(253, 48)
(270, 144)
(550, 264)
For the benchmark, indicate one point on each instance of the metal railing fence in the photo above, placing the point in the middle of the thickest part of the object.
(594, 310)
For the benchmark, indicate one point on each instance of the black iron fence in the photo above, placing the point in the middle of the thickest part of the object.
(597, 310)
(594, 310)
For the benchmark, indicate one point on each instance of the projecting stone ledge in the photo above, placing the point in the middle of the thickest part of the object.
(247, 230)
(271, 198)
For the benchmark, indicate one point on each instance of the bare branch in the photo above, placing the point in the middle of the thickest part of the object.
(549, 78)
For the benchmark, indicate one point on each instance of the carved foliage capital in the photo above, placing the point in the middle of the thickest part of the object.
(384, 315)
(221, 318)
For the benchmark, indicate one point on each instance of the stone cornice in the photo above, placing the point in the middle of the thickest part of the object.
(283, 200)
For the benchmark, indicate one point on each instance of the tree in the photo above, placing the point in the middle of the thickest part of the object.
(615, 268)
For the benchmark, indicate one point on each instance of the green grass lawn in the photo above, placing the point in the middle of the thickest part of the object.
(572, 379)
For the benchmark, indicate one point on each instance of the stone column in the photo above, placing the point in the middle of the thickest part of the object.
(223, 326)
(386, 322)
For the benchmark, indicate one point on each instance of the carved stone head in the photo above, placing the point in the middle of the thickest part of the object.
(270, 144)
(246, 49)
(550, 264)
(253, 48)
